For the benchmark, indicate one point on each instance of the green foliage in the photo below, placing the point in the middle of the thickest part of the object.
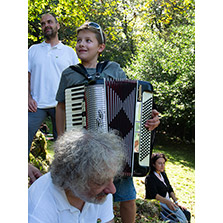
(170, 66)
(39, 156)
(39, 145)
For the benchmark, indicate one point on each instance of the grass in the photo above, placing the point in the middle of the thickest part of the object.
(181, 172)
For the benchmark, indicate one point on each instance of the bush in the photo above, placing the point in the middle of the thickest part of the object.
(169, 64)
(39, 156)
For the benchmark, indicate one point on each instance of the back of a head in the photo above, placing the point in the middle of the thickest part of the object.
(82, 156)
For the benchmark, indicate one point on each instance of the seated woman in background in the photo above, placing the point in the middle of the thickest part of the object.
(158, 187)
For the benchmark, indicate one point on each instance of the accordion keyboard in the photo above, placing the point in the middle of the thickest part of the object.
(75, 109)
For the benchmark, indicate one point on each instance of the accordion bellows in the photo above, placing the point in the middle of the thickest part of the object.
(123, 105)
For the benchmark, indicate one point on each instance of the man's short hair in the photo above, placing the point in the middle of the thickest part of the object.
(50, 13)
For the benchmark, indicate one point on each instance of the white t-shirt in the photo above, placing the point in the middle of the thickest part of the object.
(46, 64)
(49, 204)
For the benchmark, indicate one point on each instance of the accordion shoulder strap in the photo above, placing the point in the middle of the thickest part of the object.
(79, 68)
(101, 65)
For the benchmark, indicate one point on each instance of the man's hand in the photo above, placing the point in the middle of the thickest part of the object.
(154, 122)
(60, 118)
(33, 173)
(32, 105)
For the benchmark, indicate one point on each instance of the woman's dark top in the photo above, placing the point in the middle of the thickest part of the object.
(155, 186)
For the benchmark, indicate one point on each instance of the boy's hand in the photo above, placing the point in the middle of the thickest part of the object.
(154, 122)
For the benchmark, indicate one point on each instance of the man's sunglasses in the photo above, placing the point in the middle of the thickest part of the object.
(95, 25)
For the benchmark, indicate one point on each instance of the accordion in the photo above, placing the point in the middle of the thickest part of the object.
(123, 105)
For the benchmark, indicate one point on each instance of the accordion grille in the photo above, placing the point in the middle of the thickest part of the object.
(96, 108)
(145, 136)
(121, 100)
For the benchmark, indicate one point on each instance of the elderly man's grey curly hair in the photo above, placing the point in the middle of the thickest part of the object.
(83, 157)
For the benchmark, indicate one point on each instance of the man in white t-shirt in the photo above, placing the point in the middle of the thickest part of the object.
(79, 186)
(46, 61)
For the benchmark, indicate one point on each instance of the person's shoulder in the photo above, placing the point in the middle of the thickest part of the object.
(114, 70)
(72, 75)
(43, 180)
(40, 187)
(68, 71)
(150, 176)
(36, 45)
(113, 64)
(41, 199)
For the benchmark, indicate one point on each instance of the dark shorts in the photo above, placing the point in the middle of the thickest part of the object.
(125, 189)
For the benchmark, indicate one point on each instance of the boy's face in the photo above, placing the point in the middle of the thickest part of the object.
(88, 48)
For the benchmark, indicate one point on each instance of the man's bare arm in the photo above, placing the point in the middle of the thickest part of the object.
(60, 118)
(32, 105)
